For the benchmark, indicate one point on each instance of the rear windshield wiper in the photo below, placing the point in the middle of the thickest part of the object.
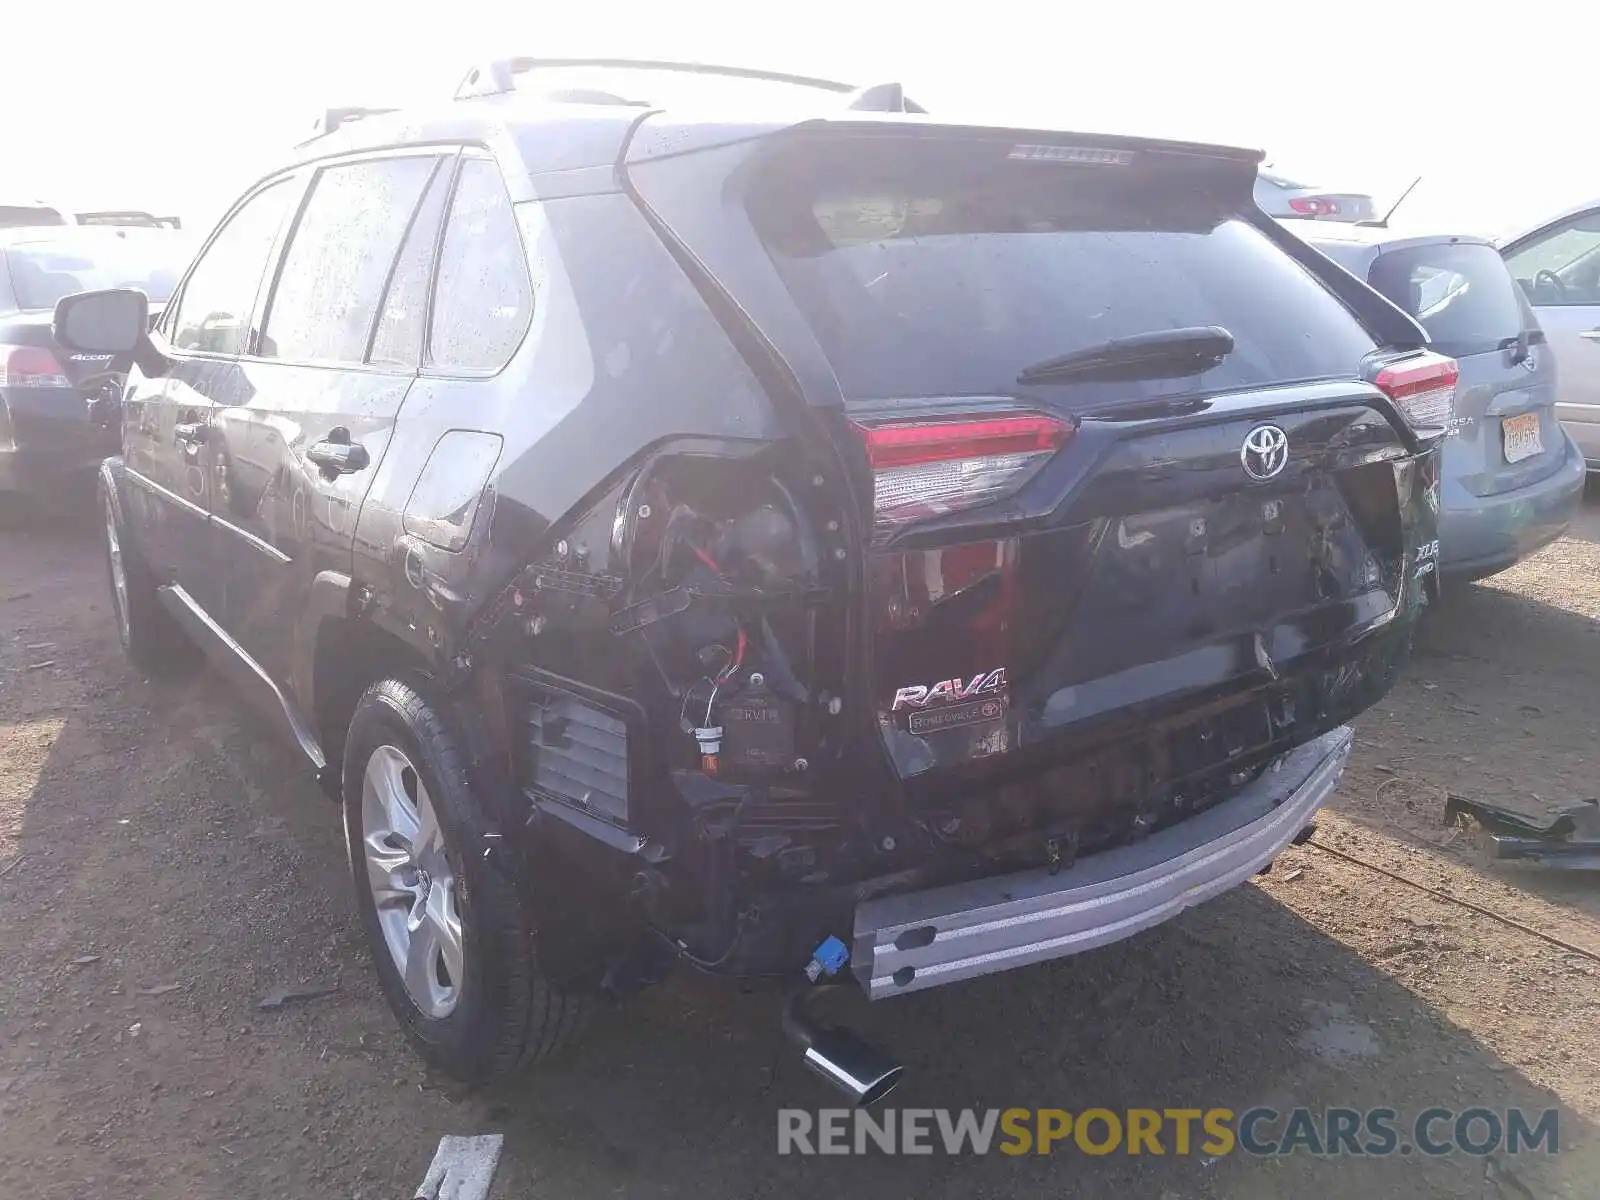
(1154, 355)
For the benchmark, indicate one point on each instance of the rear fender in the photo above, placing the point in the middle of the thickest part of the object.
(595, 607)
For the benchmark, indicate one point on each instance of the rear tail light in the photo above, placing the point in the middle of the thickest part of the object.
(931, 467)
(1315, 206)
(1423, 388)
(30, 366)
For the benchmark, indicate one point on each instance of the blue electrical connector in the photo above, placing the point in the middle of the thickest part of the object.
(828, 958)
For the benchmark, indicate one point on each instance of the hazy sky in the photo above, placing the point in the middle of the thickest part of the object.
(176, 105)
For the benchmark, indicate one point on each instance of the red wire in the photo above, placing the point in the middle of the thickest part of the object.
(707, 559)
(738, 658)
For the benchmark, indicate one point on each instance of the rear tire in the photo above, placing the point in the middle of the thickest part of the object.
(451, 938)
(150, 637)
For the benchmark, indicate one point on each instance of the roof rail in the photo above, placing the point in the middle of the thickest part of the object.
(128, 216)
(332, 118)
(499, 76)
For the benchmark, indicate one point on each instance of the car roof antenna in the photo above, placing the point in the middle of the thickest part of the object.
(1383, 222)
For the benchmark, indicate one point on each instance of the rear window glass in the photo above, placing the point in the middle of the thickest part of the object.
(945, 269)
(42, 272)
(1462, 294)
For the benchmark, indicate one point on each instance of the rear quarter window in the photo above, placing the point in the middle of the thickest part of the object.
(929, 270)
(1462, 294)
(483, 299)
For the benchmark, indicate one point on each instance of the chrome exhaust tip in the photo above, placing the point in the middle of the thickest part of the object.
(861, 1072)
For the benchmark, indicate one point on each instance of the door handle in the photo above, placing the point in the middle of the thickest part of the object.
(189, 433)
(1592, 335)
(339, 458)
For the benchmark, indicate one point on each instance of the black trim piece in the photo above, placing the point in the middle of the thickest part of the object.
(394, 263)
(603, 832)
(171, 497)
(452, 185)
(1389, 324)
(245, 672)
(265, 547)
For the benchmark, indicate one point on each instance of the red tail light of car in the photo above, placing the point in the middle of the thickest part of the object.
(1315, 206)
(1422, 387)
(30, 366)
(934, 466)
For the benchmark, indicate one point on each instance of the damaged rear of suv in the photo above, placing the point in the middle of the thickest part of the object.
(879, 550)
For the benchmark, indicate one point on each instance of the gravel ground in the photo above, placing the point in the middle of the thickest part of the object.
(163, 865)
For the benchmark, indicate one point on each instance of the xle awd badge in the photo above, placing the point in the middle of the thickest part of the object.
(1265, 452)
(952, 703)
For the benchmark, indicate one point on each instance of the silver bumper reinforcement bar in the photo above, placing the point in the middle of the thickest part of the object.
(918, 940)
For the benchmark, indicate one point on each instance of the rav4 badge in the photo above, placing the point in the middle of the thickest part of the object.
(949, 691)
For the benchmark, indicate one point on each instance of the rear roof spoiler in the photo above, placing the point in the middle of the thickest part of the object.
(499, 76)
(331, 119)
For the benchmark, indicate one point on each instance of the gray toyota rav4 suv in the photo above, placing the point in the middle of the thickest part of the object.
(802, 540)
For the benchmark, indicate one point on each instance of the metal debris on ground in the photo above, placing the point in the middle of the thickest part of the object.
(281, 994)
(84, 960)
(1567, 837)
(160, 989)
(462, 1169)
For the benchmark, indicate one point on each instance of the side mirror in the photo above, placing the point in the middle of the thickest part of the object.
(115, 321)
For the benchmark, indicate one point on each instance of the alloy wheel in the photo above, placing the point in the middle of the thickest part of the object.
(413, 883)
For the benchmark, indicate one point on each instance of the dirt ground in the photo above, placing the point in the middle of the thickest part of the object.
(163, 864)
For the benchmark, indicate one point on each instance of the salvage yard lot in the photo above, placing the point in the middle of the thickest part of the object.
(165, 866)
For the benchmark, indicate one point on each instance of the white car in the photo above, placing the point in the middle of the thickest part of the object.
(1279, 196)
(1558, 265)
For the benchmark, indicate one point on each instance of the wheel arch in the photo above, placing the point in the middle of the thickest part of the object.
(113, 479)
(344, 653)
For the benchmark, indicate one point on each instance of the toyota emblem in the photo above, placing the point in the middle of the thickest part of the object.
(1265, 452)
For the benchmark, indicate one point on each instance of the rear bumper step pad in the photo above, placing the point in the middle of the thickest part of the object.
(920, 940)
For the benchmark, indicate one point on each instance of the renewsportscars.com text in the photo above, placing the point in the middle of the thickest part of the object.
(1213, 1132)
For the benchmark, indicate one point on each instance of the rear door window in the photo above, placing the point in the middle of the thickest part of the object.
(339, 259)
(929, 268)
(1460, 292)
(483, 298)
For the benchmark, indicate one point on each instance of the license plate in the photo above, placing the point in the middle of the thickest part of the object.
(1522, 437)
